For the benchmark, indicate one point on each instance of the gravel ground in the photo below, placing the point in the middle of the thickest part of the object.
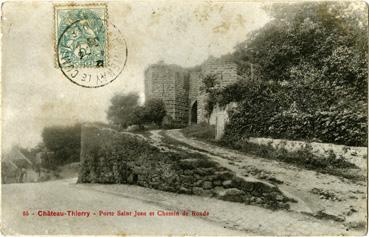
(64, 195)
(327, 205)
(321, 195)
(225, 218)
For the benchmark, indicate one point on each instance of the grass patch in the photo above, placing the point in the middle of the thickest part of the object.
(303, 158)
(144, 132)
(177, 145)
(202, 131)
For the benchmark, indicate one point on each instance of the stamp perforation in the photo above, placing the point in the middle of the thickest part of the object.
(65, 6)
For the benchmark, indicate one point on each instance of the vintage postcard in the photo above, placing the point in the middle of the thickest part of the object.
(196, 118)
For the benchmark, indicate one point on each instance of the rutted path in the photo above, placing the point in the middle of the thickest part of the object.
(323, 195)
(225, 218)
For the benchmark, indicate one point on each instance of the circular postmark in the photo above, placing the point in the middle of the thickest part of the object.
(89, 54)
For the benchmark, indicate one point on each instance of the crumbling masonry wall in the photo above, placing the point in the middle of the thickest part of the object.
(108, 156)
(169, 83)
(225, 71)
(180, 88)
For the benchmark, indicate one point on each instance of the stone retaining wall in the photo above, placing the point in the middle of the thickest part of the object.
(353, 155)
(108, 156)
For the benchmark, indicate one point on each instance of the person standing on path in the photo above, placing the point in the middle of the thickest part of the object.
(22, 175)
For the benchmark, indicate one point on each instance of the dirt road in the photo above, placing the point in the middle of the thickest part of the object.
(323, 195)
(341, 213)
(64, 195)
(225, 218)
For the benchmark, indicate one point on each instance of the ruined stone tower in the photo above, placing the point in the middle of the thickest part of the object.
(179, 88)
(171, 84)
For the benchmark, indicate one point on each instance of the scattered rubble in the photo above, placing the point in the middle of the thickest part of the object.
(327, 195)
(118, 160)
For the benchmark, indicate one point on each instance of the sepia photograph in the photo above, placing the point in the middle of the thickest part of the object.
(196, 118)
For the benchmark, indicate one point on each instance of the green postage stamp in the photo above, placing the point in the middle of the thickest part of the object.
(89, 50)
(81, 34)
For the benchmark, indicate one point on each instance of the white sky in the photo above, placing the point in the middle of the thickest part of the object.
(35, 94)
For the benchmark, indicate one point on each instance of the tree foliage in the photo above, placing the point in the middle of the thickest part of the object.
(64, 142)
(269, 109)
(323, 43)
(311, 60)
(154, 111)
(137, 116)
(125, 111)
(210, 86)
(121, 109)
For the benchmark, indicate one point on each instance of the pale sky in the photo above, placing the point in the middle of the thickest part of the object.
(35, 94)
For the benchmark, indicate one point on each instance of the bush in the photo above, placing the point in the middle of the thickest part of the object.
(121, 109)
(341, 127)
(154, 111)
(302, 158)
(282, 111)
(125, 111)
(64, 142)
(137, 117)
(169, 123)
(316, 56)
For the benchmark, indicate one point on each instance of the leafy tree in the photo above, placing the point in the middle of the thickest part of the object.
(64, 142)
(125, 110)
(311, 60)
(210, 86)
(321, 46)
(209, 83)
(121, 108)
(137, 116)
(154, 111)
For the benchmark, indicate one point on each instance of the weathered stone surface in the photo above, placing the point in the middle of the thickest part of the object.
(198, 183)
(210, 177)
(188, 163)
(179, 88)
(227, 184)
(231, 194)
(200, 166)
(218, 189)
(224, 175)
(217, 183)
(188, 172)
(169, 83)
(207, 185)
(205, 171)
(127, 159)
(202, 192)
(185, 190)
(186, 179)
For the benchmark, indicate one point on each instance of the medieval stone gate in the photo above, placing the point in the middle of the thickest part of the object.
(180, 88)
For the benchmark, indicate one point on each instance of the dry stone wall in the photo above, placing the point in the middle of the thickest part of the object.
(108, 156)
(354, 155)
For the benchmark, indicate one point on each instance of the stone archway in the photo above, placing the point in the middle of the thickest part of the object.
(193, 115)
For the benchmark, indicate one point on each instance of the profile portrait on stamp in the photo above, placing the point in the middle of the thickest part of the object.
(83, 48)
